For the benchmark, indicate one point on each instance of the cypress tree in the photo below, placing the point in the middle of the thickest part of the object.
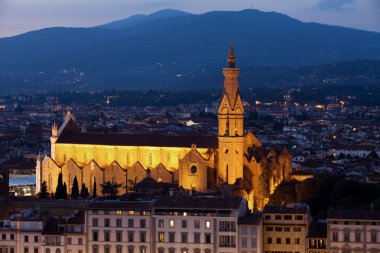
(84, 191)
(75, 189)
(59, 189)
(94, 189)
(64, 193)
(43, 193)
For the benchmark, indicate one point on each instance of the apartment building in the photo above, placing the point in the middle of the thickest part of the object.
(118, 227)
(250, 234)
(285, 228)
(317, 238)
(353, 231)
(27, 232)
(197, 224)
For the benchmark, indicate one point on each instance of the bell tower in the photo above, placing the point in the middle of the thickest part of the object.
(230, 125)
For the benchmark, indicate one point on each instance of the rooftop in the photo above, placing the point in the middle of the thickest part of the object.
(285, 209)
(196, 202)
(353, 215)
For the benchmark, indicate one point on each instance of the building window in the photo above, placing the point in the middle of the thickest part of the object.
(58, 251)
(26, 238)
(47, 250)
(244, 243)
(142, 249)
(35, 250)
(184, 237)
(119, 236)
(277, 217)
(130, 223)
(95, 249)
(171, 223)
(161, 236)
(119, 223)
(95, 236)
(69, 242)
(244, 230)
(107, 222)
(160, 223)
(253, 243)
(269, 229)
(278, 240)
(131, 249)
(26, 250)
(184, 250)
(287, 240)
(94, 222)
(142, 236)
(80, 241)
(287, 217)
(197, 224)
(171, 237)
(197, 238)
(269, 240)
(358, 237)
(107, 235)
(130, 236)
(184, 223)
(142, 223)
(297, 229)
(299, 217)
(207, 238)
(12, 236)
(346, 236)
(267, 217)
(297, 241)
(171, 250)
(334, 236)
(36, 238)
(119, 249)
(208, 224)
(373, 236)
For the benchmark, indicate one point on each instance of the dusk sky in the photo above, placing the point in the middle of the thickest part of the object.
(18, 16)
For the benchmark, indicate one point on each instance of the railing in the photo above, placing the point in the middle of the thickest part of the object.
(227, 245)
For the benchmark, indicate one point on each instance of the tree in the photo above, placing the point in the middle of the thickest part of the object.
(110, 189)
(43, 193)
(94, 195)
(59, 189)
(64, 193)
(284, 193)
(84, 192)
(75, 189)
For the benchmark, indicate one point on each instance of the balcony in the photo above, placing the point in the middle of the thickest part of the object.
(227, 245)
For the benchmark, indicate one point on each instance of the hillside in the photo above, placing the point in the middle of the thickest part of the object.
(172, 49)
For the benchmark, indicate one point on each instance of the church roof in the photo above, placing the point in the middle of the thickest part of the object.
(201, 141)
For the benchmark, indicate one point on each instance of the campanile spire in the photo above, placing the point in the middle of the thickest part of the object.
(231, 56)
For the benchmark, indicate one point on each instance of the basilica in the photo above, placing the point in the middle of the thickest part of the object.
(233, 159)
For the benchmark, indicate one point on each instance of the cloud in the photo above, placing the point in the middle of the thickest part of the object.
(336, 4)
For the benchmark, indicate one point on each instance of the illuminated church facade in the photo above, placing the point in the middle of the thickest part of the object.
(201, 163)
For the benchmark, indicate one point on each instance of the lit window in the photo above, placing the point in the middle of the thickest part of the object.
(208, 224)
(118, 212)
(161, 236)
(171, 223)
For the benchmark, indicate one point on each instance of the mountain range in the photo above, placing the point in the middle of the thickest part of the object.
(172, 49)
